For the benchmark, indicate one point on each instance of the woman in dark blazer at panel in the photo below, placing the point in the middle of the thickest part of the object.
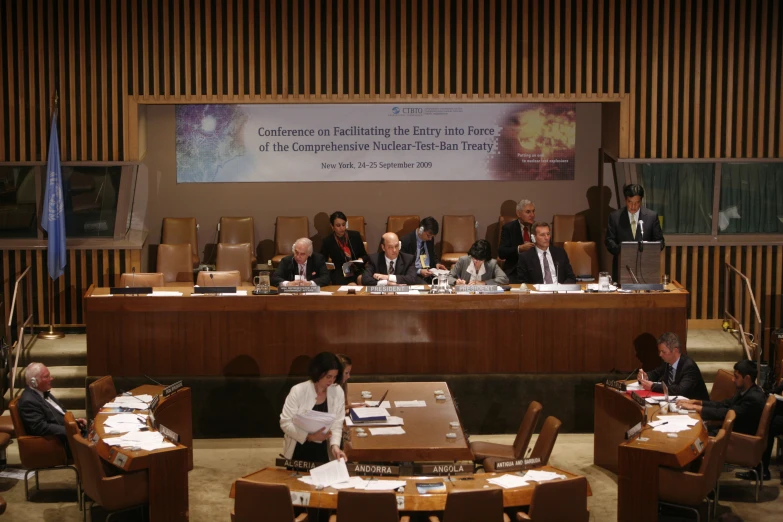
(341, 246)
(478, 267)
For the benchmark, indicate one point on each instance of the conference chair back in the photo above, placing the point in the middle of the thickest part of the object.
(559, 500)
(728, 423)
(2, 505)
(746, 450)
(71, 430)
(723, 387)
(459, 234)
(138, 279)
(402, 225)
(583, 257)
(260, 501)
(502, 220)
(356, 223)
(687, 488)
(237, 230)
(568, 228)
(545, 442)
(472, 505)
(287, 230)
(178, 231)
(526, 429)
(361, 506)
(174, 263)
(36, 452)
(236, 257)
(101, 392)
(219, 278)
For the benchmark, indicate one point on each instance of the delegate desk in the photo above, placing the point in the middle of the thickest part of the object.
(167, 468)
(384, 334)
(636, 462)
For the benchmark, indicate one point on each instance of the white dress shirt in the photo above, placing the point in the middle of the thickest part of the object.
(549, 261)
(300, 269)
(48, 400)
(392, 277)
(476, 276)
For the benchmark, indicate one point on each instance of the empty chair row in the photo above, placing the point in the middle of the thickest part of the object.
(231, 231)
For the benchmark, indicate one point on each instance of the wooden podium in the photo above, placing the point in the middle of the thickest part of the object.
(644, 261)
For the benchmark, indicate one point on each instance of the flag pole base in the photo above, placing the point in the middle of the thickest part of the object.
(51, 334)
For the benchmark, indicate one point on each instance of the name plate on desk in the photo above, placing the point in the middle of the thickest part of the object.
(215, 290)
(615, 385)
(477, 289)
(171, 388)
(136, 290)
(446, 468)
(388, 289)
(517, 464)
(633, 431)
(299, 289)
(172, 435)
(296, 465)
(639, 400)
(558, 288)
(374, 469)
(154, 403)
(639, 287)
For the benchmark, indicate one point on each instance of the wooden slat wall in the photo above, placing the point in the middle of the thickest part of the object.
(704, 75)
(84, 268)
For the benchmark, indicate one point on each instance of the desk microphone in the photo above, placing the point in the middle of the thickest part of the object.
(631, 272)
(557, 279)
(632, 372)
(153, 380)
(641, 231)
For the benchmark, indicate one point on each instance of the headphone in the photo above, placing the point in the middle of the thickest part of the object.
(33, 382)
(421, 230)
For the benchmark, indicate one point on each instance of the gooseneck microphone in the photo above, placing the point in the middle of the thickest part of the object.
(632, 274)
(641, 235)
(632, 372)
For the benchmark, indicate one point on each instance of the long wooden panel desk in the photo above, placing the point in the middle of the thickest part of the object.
(635, 461)
(437, 334)
(167, 468)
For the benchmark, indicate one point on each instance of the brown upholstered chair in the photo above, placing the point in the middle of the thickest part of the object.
(723, 387)
(583, 258)
(568, 228)
(472, 505)
(557, 501)
(2, 505)
(545, 443)
(357, 223)
(122, 492)
(483, 450)
(101, 391)
(237, 230)
(235, 257)
(180, 231)
(7, 426)
(288, 230)
(402, 225)
(502, 220)
(364, 506)
(459, 234)
(688, 489)
(174, 263)
(5, 440)
(745, 451)
(134, 280)
(71, 430)
(38, 453)
(222, 278)
(254, 499)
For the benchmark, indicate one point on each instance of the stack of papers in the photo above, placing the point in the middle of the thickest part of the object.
(390, 421)
(134, 402)
(369, 414)
(410, 404)
(144, 440)
(374, 404)
(125, 422)
(313, 421)
(330, 473)
(395, 430)
(515, 481)
(384, 485)
(535, 475)
(673, 423)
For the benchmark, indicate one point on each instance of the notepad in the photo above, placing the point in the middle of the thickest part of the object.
(369, 414)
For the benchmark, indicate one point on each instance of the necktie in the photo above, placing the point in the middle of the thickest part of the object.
(47, 394)
(671, 375)
(302, 272)
(526, 235)
(633, 227)
(547, 272)
(391, 267)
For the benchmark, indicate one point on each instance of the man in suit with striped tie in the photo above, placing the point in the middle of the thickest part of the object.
(678, 372)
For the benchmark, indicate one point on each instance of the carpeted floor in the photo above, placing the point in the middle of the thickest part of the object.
(219, 462)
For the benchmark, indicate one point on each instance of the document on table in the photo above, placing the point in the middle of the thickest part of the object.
(330, 473)
(535, 475)
(508, 481)
(410, 404)
(390, 421)
(144, 440)
(384, 485)
(313, 421)
(134, 402)
(394, 430)
(353, 482)
(125, 423)
(369, 413)
(673, 423)
(374, 404)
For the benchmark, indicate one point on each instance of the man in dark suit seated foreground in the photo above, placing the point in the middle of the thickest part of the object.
(678, 372)
(41, 413)
(545, 263)
(391, 267)
(303, 267)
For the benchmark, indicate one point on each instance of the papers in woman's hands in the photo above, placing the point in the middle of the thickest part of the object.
(330, 473)
(313, 421)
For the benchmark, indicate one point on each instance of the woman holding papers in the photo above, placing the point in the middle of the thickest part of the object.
(322, 393)
(478, 267)
(343, 246)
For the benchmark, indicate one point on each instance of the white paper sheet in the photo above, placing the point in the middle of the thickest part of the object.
(353, 482)
(394, 430)
(410, 404)
(330, 473)
(384, 485)
(542, 476)
(374, 404)
(508, 481)
(366, 413)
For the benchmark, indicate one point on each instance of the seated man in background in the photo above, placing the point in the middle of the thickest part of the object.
(421, 245)
(390, 267)
(41, 413)
(545, 263)
(516, 237)
(301, 268)
(679, 373)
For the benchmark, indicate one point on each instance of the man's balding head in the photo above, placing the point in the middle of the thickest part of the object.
(391, 245)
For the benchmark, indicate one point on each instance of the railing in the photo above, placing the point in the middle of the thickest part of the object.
(21, 322)
(732, 272)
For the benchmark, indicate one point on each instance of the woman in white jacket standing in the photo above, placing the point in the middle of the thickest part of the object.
(322, 392)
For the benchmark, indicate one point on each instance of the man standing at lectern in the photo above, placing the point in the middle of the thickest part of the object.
(678, 372)
(633, 222)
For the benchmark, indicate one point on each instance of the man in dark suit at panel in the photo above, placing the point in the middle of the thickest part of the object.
(633, 222)
(303, 267)
(516, 237)
(421, 245)
(391, 267)
(545, 263)
(42, 414)
(679, 373)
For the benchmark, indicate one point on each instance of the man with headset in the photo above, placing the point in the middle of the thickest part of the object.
(41, 413)
(421, 245)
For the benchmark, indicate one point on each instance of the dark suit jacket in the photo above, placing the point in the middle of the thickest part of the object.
(316, 270)
(748, 408)
(331, 250)
(510, 239)
(38, 416)
(687, 380)
(408, 246)
(619, 231)
(404, 269)
(529, 267)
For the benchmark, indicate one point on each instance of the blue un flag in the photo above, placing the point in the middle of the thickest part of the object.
(53, 215)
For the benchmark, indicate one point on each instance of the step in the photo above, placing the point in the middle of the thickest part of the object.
(53, 353)
(64, 376)
(713, 345)
(71, 398)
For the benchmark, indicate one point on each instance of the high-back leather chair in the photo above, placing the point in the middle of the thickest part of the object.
(557, 501)
(179, 231)
(545, 443)
(117, 493)
(459, 234)
(237, 230)
(135, 280)
(71, 430)
(468, 505)
(361, 506)
(482, 450)
(502, 220)
(259, 501)
(235, 257)
(174, 263)
(38, 453)
(101, 391)
(568, 228)
(402, 225)
(222, 278)
(583, 258)
(728, 422)
(723, 387)
(745, 451)
(356, 223)
(287, 231)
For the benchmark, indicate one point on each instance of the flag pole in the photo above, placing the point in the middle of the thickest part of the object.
(52, 333)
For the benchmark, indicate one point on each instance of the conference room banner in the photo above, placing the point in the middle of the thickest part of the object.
(375, 142)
